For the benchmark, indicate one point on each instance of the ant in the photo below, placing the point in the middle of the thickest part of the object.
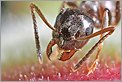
(74, 28)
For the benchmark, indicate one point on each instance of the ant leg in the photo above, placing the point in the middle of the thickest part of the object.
(110, 31)
(49, 47)
(67, 55)
(32, 6)
(105, 23)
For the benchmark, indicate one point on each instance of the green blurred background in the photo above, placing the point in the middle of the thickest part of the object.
(17, 37)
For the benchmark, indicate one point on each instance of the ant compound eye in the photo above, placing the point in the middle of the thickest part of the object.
(89, 30)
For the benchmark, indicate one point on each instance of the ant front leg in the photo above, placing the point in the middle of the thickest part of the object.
(105, 23)
(109, 31)
(36, 9)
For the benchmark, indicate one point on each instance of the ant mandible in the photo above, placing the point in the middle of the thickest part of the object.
(74, 27)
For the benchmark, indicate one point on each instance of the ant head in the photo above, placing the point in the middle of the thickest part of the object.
(72, 23)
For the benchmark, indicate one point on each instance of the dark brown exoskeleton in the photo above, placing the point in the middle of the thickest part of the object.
(74, 27)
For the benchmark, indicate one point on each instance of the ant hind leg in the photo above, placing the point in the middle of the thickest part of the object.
(105, 23)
